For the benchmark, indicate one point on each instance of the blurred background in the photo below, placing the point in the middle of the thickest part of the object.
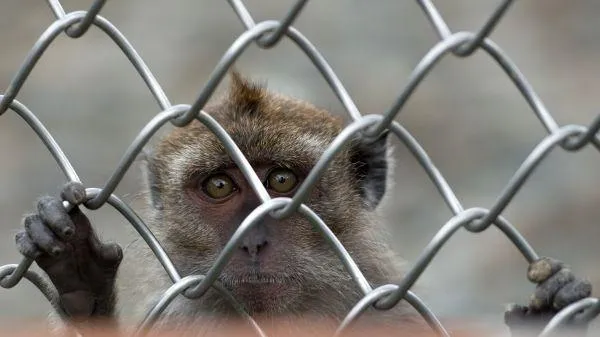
(472, 121)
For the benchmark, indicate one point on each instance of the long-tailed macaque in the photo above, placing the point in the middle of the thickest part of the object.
(197, 198)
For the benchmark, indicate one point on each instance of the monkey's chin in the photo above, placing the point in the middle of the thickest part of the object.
(261, 293)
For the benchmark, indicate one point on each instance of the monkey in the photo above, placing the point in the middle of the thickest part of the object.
(197, 197)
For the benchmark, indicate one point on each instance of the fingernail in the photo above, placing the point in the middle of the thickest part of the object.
(56, 251)
(536, 303)
(539, 271)
(79, 196)
(68, 232)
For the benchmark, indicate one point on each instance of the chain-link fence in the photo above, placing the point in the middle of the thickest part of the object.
(266, 35)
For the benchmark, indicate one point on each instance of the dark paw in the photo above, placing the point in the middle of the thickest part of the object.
(556, 288)
(65, 246)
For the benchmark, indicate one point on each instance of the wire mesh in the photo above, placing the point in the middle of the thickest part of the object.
(266, 35)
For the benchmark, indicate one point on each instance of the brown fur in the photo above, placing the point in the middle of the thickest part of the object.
(270, 129)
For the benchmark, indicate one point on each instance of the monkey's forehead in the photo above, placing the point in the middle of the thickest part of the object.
(196, 150)
(267, 127)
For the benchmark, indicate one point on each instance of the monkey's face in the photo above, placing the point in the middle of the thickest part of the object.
(202, 198)
(273, 265)
(279, 263)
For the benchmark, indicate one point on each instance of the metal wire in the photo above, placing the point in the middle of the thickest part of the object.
(266, 35)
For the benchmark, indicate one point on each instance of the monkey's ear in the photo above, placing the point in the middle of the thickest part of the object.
(152, 179)
(370, 162)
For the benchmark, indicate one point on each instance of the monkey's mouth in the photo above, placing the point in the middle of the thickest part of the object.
(254, 280)
(261, 292)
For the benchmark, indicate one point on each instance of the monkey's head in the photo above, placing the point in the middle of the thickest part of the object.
(200, 197)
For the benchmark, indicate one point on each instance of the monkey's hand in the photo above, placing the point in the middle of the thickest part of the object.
(66, 248)
(556, 288)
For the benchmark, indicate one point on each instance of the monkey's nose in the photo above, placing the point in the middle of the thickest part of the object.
(255, 241)
(253, 248)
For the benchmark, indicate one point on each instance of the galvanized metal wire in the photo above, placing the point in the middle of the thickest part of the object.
(267, 34)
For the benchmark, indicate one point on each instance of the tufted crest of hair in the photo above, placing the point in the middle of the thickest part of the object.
(245, 96)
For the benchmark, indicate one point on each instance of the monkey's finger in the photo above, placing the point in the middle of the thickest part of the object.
(523, 321)
(73, 192)
(543, 268)
(42, 236)
(543, 296)
(515, 314)
(572, 292)
(108, 254)
(26, 246)
(55, 216)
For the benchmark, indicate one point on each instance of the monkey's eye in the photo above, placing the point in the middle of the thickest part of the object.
(218, 186)
(282, 180)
